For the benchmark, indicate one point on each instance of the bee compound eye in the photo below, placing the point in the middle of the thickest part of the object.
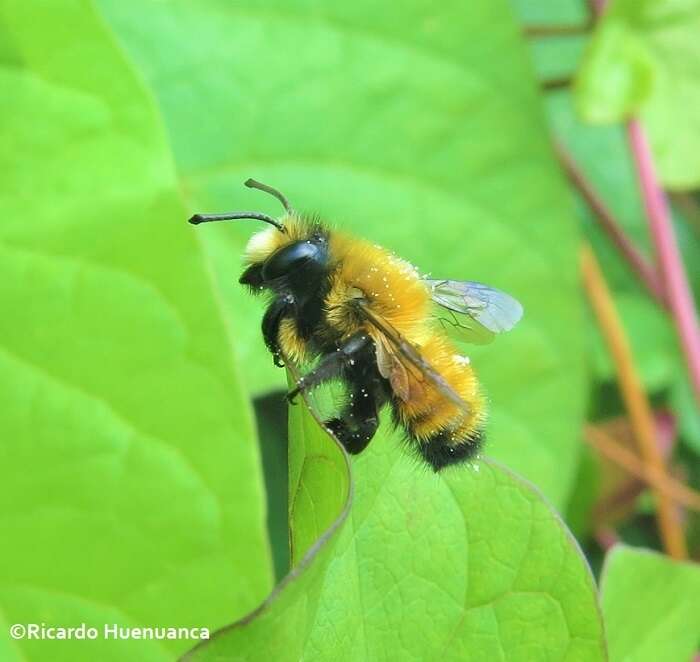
(290, 258)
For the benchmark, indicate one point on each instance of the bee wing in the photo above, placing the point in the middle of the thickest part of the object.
(473, 311)
(391, 368)
(396, 357)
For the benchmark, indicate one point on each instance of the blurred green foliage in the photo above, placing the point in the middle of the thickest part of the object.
(644, 59)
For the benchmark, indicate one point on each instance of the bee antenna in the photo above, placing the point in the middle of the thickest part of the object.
(251, 183)
(208, 218)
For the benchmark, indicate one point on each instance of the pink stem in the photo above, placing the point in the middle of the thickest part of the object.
(598, 6)
(606, 537)
(666, 429)
(670, 264)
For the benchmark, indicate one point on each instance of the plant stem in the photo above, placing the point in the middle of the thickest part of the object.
(556, 29)
(675, 283)
(636, 402)
(689, 207)
(597, 7)
(670, 263)
(637, 262)
(606, 538)
(560, 83)
(618, 454)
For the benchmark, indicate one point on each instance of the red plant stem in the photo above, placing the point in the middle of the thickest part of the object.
(606, 538)
(638, 262)
(669, 259)
(597, 7)
(670, 263)
(555, 29)
(560, 83)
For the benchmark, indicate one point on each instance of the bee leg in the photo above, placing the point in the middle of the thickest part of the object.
(330, 366)
(279, 309)
(333, 364)
(359, 420)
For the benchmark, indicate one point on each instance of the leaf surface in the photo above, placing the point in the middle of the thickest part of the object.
(651, 606)
(471, 564)
(130, 486)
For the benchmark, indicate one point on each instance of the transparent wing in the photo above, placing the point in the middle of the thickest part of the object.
(406, 359)
(488, 311)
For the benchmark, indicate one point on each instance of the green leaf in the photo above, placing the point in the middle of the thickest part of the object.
(130, 486)
(651, 606)
(557, 57)
(644, 59)
(547, 12)
(319, 482)
(468, 564)
(415, 126)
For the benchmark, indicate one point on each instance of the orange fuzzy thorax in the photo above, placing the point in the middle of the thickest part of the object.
(391, 286)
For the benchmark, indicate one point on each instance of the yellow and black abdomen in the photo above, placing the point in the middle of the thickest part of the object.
(443, 432)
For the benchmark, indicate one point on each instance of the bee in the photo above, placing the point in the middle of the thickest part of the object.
(359, 314)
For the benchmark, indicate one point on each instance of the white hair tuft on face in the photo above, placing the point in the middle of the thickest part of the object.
(261, 245)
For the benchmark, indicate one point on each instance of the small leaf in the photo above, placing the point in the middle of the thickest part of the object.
(651, 606)
(319, 482)
(644, 59)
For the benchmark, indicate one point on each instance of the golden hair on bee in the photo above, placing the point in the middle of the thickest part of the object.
(368, 318)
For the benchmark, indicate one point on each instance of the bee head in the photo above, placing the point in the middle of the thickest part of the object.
(293, 249)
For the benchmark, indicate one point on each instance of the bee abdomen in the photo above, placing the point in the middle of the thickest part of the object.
(443, 449)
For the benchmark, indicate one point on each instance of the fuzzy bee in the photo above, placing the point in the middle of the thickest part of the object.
(356, 312)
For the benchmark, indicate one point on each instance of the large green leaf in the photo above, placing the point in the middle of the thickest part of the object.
(130, 487)
(651, 606)
(645, 59)
(414, 124)
(470, 564)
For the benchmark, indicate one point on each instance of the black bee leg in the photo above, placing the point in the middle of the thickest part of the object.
(359, 421)
(330, 366)
(342, 360)
(279, 309)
